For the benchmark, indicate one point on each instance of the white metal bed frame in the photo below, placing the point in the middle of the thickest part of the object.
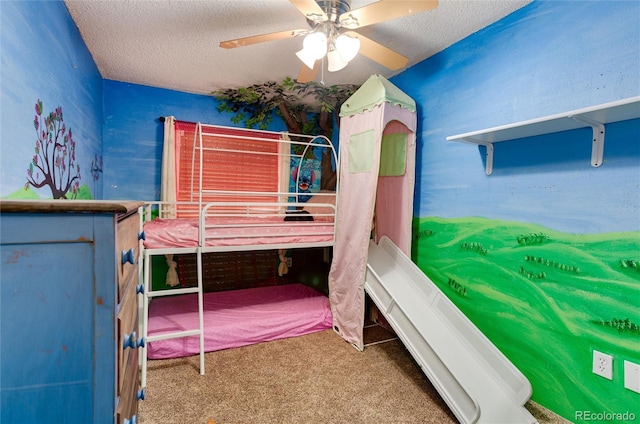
(206, 211)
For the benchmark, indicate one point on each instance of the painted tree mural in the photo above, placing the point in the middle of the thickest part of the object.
(54, 162)
(306, 108)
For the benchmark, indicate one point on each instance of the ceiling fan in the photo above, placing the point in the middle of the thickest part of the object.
(331, 33)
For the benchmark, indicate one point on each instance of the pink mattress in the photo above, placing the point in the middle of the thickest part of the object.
(183, 232)
(237, 318)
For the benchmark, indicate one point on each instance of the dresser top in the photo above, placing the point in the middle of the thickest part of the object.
(61, 206)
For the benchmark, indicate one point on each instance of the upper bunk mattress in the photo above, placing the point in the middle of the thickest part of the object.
(184, 232)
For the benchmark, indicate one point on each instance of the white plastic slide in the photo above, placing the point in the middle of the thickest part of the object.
(475, 379)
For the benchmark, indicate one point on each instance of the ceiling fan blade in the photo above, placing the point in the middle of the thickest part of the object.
(255, 39)
(310, 9)
(379, 53)
(307, 74)
(384, 10)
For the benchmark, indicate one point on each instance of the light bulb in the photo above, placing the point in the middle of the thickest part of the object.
(307, 57)
(335, 61)
(314, 47)
(316, 42)
(347, 46)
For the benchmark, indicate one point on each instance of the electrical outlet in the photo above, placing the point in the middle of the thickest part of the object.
(603, 365)
(632, 376)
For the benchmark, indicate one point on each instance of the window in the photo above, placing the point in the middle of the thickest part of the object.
(229, 173)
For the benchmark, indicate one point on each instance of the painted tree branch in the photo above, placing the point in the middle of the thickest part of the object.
(309, 108)
(54, 162)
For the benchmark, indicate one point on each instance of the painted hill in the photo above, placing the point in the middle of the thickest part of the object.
(545, 298)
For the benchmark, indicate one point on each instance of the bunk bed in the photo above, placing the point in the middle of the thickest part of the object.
(277, 213)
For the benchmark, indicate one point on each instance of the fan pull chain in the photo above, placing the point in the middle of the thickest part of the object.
(322, 72)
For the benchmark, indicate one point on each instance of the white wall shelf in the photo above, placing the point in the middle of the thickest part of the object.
(595, 117)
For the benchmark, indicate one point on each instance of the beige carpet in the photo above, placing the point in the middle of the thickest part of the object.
(318, 378)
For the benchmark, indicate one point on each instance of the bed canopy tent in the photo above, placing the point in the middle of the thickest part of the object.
(375, 196)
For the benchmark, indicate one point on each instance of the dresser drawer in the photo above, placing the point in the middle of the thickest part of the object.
(128, 337)
(128, 398)
(128, 251)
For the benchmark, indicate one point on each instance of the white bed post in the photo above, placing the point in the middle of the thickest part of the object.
(200, 247)
(145, 316)
(200, 308)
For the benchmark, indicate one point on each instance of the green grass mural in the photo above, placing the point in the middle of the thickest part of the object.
(546, 299)
(83, 193)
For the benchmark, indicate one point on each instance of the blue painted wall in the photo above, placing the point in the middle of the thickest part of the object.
(546, 58)
(133, 134)
(43, 57)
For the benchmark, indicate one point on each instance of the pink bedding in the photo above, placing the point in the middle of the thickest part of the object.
(183, 232)
(237, 318)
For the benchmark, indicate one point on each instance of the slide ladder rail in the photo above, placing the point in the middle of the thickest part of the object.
(474, 378)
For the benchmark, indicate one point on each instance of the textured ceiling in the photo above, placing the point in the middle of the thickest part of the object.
(174, 44)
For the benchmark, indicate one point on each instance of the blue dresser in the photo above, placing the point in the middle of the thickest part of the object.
(69, 312)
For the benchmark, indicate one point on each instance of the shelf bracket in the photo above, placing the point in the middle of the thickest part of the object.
(488, 154)
(597, 141)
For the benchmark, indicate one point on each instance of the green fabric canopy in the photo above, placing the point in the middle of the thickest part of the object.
(374, 91)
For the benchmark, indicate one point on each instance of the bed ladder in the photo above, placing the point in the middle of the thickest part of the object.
(148, 294)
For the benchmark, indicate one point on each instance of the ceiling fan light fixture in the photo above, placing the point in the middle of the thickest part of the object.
(307, 57)
(347, 46)
(335, 61)
(316, 44)
(314, 47)
(326, 20)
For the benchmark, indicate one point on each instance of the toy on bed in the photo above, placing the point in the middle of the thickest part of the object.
(303, 177)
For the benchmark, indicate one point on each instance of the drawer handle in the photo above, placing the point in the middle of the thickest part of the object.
(140, 288)
(131, 420)
(142, 393)
(141, 342)
(129, 340)
(142, 235)
(128, 256)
